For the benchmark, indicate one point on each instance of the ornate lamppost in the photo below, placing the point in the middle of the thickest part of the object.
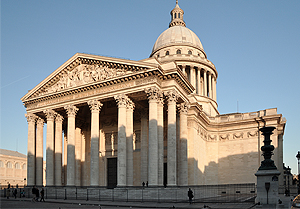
(298, 158)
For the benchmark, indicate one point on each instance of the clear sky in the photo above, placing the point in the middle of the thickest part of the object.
(254, 45)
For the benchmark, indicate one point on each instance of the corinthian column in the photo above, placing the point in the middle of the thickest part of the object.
(144, 146)
(193, 76)
(153, 94)
(50, 114)
(31, 118)
(183, 165)
(58, 149)
(171, 158)
(199, 80)
(122, 158)
(95, 107)
(71, 112)
(209, 86)
(204, 83)
(129, 142)
(160, 138)
(39, 152)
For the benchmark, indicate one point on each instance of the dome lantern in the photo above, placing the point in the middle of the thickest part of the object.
(177, 16)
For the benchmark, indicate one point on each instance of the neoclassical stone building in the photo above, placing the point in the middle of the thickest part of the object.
(117, 122)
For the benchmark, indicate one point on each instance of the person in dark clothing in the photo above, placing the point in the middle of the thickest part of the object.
(190, 195)
(37, 193)
(33, 193)
(42, 195)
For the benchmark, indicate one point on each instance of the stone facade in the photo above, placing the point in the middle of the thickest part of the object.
(116, 122)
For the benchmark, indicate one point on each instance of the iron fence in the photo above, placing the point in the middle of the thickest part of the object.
(228, 193)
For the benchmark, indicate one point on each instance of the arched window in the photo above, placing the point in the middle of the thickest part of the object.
(189, 52)
(178, 15)
(24, 166)
(17, 166)
(1, 164)
(175, 15)
(167, 53)
(9, 165)
(178, 51)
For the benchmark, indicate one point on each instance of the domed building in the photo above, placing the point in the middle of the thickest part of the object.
(118, 123)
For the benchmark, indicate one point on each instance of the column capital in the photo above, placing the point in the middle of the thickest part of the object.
(50, 114)
(59, 118)
(121, 100)
(183, 107)
(153, 93)
(95, 105)
(172, 96)
(130, 104)
(40, 121)
(31, 117)
(71, 110)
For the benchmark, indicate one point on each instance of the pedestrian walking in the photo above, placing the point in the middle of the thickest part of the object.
(8, 192)
(190, 195)
(33, 191)
(37, 194)
(42, 195)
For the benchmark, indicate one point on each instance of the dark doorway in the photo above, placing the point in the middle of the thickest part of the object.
(165, 174)
(111, 173)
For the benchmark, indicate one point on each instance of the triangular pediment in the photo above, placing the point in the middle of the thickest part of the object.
(84, 69)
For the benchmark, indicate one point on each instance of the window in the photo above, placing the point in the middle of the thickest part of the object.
(24, 166)
(175, 15)
(167, 53)
(189, 52)
(158, 56)
(9, 165)
(17, 166)
(1, 164)
(178, 15)
(178, 51)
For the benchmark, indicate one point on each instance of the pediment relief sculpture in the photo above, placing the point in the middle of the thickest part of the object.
(84, 74)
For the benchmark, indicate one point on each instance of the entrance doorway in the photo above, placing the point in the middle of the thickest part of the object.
(111, 173)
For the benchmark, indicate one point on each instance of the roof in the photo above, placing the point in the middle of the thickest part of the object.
(12, 153)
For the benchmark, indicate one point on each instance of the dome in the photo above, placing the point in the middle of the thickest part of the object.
(177, 35)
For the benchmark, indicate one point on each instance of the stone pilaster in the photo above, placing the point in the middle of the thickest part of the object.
(39, 152)
(31, 119)
(160, 135)
(171, 153)
(144, 146)
(58, 150)
(95, 107)
(129, 142)
(183, 158)
(50, 115)
(153, 95)
(122, 158)
(71, 112)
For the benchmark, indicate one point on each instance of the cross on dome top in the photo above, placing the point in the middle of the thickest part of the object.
(177, 16)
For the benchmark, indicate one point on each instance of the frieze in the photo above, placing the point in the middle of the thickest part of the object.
(238, 136)
(252, 134)
(212, 137)
(224, 137)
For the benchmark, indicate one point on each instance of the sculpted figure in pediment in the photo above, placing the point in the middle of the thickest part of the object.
(83, 74)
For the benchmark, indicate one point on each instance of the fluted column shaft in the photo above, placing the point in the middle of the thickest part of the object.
(121, 174)
(71, 112)
(95, 107)
(193, 76)
(50, 114)
(152, 94)
(160, 135)
(198, 81)
(209, 85)
(205, 83)
(39, 152)
(171, 158)
(58, 150)
(31, 119)
(144, 147)
(183, 169)
(129, 140)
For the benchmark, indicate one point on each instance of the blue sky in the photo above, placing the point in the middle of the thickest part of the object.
(253, 44)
